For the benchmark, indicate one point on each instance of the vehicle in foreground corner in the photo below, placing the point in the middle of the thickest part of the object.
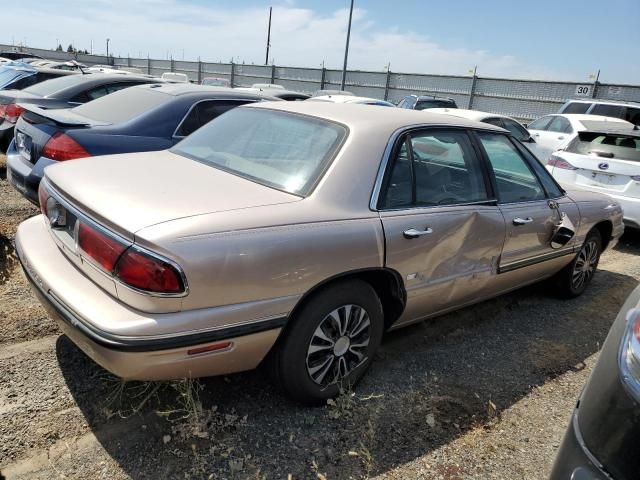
(425, 102)
(63, 92)
(352, 99)
(553, 132)
(137, 119)
(518, 131)
(605, 158)
(601, 442)
(298, 232)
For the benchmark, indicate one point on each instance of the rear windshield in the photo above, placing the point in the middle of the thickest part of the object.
(123, 105)
(425, 104)
(49, 87)
(282, 150)
(606, 145)
(8, 75)
(576, 107)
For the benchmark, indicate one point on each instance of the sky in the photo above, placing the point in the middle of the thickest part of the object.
(541, 39)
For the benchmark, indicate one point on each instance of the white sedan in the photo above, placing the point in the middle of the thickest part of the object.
(604, 158)
(553, 132)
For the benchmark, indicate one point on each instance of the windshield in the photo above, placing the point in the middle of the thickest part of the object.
(123, 105)
(426, 104)
(609, 145)
(8, 75)
(45, 89)
(282, 150)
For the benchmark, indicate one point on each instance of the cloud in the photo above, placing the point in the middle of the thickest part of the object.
(300, 37)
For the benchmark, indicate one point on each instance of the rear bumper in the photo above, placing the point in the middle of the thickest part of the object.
(23, 175)
(574, 461)
(135, 357)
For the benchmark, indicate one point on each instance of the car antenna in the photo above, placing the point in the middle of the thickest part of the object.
(77, 64)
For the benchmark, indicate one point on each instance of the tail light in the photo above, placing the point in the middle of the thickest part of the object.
(145, 272)
(129, 264)
(43, 196)
(62, 147)
(630, 352)
(558, 162)
(12, 112)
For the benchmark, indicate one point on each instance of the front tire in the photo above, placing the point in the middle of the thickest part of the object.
(329, 343)
(573, 279)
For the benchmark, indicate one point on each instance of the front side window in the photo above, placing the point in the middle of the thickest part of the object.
(282, 150)
(541, 123)
(515, 180)
(435, 168)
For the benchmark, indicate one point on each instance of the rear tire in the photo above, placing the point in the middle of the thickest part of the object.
(329, 343)
(573, 279)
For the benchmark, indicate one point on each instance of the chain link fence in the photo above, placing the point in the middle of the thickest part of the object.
(521, 99)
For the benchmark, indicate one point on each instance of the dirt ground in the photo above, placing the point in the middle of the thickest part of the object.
(485, 393)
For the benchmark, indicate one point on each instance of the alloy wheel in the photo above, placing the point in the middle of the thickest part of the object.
(585, 265)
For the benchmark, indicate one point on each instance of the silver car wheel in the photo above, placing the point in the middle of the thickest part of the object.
(339, 344)
(585, 265)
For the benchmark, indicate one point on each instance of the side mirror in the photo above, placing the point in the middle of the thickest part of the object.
(563, 233)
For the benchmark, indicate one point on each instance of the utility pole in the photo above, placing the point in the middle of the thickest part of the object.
(108, 39)
(266, 58)
(346, 49)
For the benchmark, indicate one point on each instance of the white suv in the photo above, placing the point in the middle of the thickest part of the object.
(607, 108)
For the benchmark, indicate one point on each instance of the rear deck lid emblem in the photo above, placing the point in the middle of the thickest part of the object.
(603, 166)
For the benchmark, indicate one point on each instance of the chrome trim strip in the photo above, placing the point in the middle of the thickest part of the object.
(80, 216)
(534, 260)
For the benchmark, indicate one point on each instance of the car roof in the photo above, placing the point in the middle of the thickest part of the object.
(475, 115)
(343, 99)
(584, 116)
(429, 97)
(604, 102)
(180, 89)
(358, 115)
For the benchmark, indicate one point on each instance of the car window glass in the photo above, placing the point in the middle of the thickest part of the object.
(114, 87)
(494, 121)
(124, 105)
(517, 130)
(203, 113)
(426, 104)
(633, 115)
(541, 123)
(442, 168)
(514, 179)
(615, 146)
(576, 107)
(549, 184)
(560, 125)
(616, 111)
(97, 93)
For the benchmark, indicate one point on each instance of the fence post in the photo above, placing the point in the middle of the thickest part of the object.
(199, 71)
(148, 64)
(386, 87)
(472, 92)
(322, 78)
(128, 60)
(233, 74)
(273, 74)
(596, 82)
(172, 64)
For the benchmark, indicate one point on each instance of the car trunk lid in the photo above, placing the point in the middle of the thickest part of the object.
(132, 191)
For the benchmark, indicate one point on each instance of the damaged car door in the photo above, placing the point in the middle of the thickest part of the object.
(443, 229)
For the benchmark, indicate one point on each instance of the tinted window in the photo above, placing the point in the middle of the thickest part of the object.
(517, 130)
(616, 111)
(435, 168)
(54, 85)
(514, 179)
(203, 113)
(278, 149)
(633, 115)
(493, 121)
(611, 145)
(541, 123)
(560, 125)
(576, 107)
(408, 102)
(426, 104)
(96, 93)
(123, 105)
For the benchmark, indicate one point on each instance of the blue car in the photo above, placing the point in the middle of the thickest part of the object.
(138, 119)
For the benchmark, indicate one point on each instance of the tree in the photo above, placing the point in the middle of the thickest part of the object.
(70, 49)
(59, 48)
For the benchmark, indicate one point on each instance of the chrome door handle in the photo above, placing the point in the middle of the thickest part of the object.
(560, 138)
(413, 233)
(522, 221)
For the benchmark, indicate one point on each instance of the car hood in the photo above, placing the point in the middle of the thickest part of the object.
(132, 191)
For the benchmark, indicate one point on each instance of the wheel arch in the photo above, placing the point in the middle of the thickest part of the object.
(605, 228)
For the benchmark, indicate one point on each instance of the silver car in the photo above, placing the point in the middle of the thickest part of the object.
(296, 234)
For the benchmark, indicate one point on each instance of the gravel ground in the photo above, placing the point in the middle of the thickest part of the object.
(485, 392)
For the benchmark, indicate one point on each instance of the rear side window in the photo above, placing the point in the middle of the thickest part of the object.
(517, 130)
(620, 147)
(203, 113)
(124, 105)
(494, 121)
(616, 111)
(434, 168)
(560, 125)
(540, 124)
(576, 107)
